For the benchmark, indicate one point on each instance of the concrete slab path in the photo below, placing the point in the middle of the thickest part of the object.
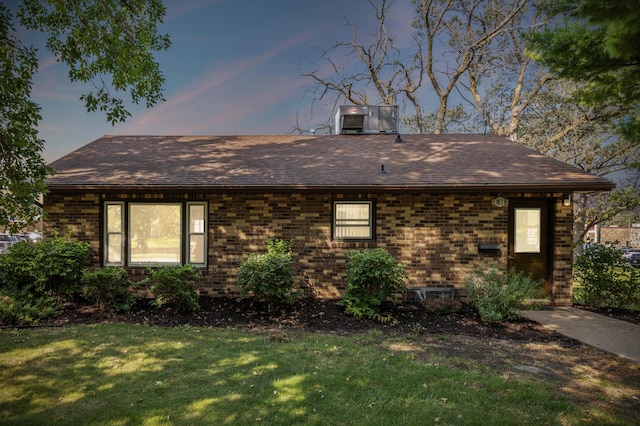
(611, 335)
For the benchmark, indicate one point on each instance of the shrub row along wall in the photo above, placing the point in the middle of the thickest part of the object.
(435, 235)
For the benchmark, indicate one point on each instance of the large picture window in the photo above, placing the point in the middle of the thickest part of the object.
(144, 234)
(353, 220)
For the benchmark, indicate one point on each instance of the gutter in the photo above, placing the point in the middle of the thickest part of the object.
(451, 188)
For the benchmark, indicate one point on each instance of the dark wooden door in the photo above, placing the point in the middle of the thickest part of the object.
(529, 240)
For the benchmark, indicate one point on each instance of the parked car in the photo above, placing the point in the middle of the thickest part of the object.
(6, 241)
(33, 237)
(628, 252)
(634, 259)
(9, 240)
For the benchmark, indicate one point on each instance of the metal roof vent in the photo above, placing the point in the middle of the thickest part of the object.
(366, 119)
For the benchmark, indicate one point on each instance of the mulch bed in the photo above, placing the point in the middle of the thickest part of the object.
(324, 316)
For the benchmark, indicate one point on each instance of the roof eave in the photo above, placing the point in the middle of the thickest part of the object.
(542, 187)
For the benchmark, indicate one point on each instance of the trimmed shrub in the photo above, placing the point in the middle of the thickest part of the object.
(19, 306)
(269, 276)
(59, 263)
(604, 279)
(373, 276)
(498, 295)
(108, 288)
(17, 267)
(175, 287)
(52, 267)
(35, 279)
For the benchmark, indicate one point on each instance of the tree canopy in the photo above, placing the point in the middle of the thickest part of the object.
(22, 170)
(597, 43)
(109, 44)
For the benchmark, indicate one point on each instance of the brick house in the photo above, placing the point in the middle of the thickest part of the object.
(443, 205)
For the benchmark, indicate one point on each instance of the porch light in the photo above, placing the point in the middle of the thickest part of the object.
(566, 200)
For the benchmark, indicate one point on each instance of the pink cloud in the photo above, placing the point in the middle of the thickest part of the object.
(48, 62)
(212, 78)
(178, 8)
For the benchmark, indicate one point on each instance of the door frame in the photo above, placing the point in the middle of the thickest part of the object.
(540, 264)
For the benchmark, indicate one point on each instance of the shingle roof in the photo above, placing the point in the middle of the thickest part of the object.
(341, 162)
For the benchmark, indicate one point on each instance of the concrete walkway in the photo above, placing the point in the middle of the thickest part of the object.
(611, 335)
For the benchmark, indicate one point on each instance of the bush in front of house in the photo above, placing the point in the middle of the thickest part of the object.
(52, 267)
(35, 279)
(108, 288)
(19, 306)
(17, 267)
(174, 287)
(373, 276)
(498, 295)
(269, 276)
(603, 278)
(58, 265)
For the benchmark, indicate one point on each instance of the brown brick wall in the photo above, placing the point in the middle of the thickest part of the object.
(620, 236)
(562, 260)
(435, 235)
(77, 214)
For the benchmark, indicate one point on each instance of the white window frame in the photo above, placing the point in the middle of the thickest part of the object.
(108, 232)
(199, 231)
(365, 223)
(185, 239)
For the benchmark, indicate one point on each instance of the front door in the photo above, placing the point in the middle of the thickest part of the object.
(529, 238)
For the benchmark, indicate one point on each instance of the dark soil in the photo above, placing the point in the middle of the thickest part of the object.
(326, 316)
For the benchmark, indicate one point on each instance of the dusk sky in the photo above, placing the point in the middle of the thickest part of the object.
(234, 67)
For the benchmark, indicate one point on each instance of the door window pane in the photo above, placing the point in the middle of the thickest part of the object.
(527, 231)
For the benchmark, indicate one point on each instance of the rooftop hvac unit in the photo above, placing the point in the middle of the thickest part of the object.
(366, 119)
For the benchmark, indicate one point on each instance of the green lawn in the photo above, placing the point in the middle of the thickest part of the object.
(134, 374)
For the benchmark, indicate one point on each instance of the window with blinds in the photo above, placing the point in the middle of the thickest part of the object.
(353, 220)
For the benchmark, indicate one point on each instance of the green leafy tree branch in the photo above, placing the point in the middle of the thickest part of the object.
(109, 44)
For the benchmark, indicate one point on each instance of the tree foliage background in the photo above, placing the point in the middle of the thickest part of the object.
(472, 66)
(597, 43)
(108, 44)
